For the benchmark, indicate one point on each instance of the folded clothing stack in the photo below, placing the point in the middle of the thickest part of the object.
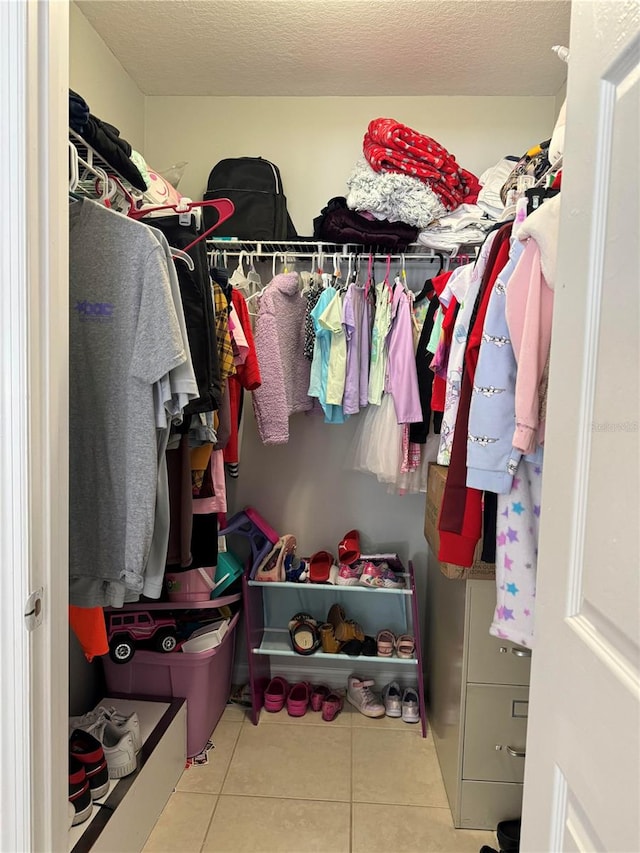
(390, 146)
(105, 139)
(338, 224)
(468, 225)
(393, 196)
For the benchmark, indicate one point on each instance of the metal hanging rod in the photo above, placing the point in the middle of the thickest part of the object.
(309, 248)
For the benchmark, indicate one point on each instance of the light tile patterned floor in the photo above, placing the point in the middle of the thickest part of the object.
(300, 786)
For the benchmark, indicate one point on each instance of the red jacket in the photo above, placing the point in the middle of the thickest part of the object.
(247, 376)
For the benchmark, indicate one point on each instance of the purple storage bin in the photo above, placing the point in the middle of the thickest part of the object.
(202, 678)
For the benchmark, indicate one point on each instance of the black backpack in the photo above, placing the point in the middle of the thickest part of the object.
(254, 186)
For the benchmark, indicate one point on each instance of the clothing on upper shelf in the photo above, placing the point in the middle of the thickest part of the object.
(393, 147)
(279, 341)
(393, 196)
(467, 225)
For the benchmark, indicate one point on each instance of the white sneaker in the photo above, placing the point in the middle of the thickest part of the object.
(392, 698)
(362, 698)
(118, 749)
(126, 723)
(410, 706)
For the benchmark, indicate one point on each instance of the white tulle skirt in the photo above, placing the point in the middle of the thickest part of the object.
(377, 449)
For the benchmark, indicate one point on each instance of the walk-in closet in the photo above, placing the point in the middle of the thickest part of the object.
(322, 357)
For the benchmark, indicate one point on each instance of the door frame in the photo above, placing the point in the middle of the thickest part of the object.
(34, 392)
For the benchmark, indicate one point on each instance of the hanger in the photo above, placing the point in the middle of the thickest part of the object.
(428, 291)
(224, 206)
(179, 255)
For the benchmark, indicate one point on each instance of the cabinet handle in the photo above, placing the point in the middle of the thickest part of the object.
(521, 653)
(516, 753)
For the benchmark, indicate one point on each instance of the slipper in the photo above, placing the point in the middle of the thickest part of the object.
(386, 643)
(320, 567)
(276, 694)
(318, 695)
(349, 548)
(298, 699)
(405, 646)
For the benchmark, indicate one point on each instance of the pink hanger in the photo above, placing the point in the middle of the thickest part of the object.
(224, 206)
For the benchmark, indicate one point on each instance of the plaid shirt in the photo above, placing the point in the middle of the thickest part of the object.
(223, 335)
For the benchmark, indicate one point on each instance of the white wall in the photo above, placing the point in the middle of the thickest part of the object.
(315, 141)
(98, 76)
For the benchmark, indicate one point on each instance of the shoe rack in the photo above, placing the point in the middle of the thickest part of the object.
(270, 606)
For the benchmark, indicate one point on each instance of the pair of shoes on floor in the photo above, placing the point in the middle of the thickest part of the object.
(299, 697)
(404, 645)
(401, 703)
(372, 575)
(102, 746)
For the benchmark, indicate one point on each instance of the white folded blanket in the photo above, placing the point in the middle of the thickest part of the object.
(392, 196)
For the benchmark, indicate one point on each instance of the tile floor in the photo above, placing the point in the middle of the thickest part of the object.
(300, 785)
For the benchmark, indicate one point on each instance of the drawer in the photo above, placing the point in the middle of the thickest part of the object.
(484, 804)
(491, 660)
(495, 731)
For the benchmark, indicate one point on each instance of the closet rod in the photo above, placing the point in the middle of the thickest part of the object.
(382, 256)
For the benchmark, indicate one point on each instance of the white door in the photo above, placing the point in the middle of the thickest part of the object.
(33, 426)
(582, 790)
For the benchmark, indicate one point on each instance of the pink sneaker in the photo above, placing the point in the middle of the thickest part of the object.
(349, 575)
(380, 577)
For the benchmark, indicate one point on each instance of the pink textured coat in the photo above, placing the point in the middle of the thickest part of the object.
(279, 341)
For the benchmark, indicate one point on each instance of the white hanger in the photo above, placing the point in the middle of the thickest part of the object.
(179, 255)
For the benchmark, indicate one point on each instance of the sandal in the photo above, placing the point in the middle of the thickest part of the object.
(349, 548)
(405, 646)
(320, 567)
(386, 643)
(305, 637)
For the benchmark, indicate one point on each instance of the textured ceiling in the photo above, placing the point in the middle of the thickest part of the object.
(336, 47)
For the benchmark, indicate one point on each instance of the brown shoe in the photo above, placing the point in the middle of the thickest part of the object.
(345, 629)
(349, 630)
(329, 643)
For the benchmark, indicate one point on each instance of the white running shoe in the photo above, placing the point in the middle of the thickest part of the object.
(362, 698)
(125, 722)
(392, 698)
(118, 749)
(410, 706)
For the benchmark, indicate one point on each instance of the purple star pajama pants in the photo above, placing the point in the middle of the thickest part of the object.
(517, 556)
